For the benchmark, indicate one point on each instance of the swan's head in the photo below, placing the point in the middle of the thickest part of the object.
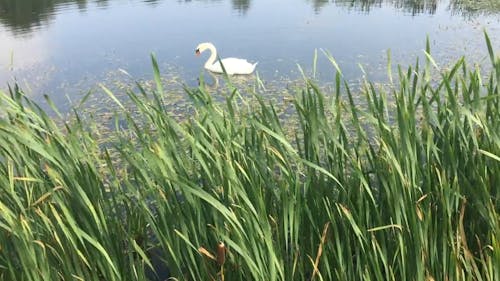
(202, 47)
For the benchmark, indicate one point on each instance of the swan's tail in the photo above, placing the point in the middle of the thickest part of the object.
(254, 66)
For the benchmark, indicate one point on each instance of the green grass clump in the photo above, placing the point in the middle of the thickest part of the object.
(403, 191)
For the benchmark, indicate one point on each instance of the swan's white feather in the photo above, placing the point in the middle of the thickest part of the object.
(233, 66)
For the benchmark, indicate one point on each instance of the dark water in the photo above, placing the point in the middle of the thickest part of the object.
(65, 47)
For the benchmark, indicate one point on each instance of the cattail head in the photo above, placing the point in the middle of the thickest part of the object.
(221, 253)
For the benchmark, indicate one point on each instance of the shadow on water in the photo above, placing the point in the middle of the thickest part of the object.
(22, 17)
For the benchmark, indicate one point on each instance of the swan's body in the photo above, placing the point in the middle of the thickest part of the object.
(231, 65)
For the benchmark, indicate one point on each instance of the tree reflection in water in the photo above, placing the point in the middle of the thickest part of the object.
(22, 16)
(241, 6)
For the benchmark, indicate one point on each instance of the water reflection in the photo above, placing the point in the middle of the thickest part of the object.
(472, 8)
(318, 4)
(24, 16)
(152, 2)
(241, 6)
(413, 7)
(417, 7)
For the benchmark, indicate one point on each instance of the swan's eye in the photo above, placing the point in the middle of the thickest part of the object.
(197, 51)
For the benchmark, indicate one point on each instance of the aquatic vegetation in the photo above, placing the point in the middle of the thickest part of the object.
(409, 192)
(415, 7)
(476, 6)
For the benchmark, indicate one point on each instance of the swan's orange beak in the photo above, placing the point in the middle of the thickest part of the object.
(197, 52)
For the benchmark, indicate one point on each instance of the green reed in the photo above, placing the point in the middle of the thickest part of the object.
(403, 187)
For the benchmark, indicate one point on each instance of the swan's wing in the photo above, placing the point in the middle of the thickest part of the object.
(233, 66)
(235, 63)
(236, 66)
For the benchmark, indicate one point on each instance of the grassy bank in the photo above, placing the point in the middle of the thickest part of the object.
(379, 192)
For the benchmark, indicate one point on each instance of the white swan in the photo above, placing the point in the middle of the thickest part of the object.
(231, 65)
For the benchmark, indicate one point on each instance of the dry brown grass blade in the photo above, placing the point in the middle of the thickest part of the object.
(320, 250)
(206, 253)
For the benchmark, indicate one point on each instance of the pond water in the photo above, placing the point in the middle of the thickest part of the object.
(63, 48)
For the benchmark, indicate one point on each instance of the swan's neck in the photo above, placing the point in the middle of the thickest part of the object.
(213, 56)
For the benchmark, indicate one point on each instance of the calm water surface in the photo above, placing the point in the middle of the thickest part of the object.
(65, 47)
